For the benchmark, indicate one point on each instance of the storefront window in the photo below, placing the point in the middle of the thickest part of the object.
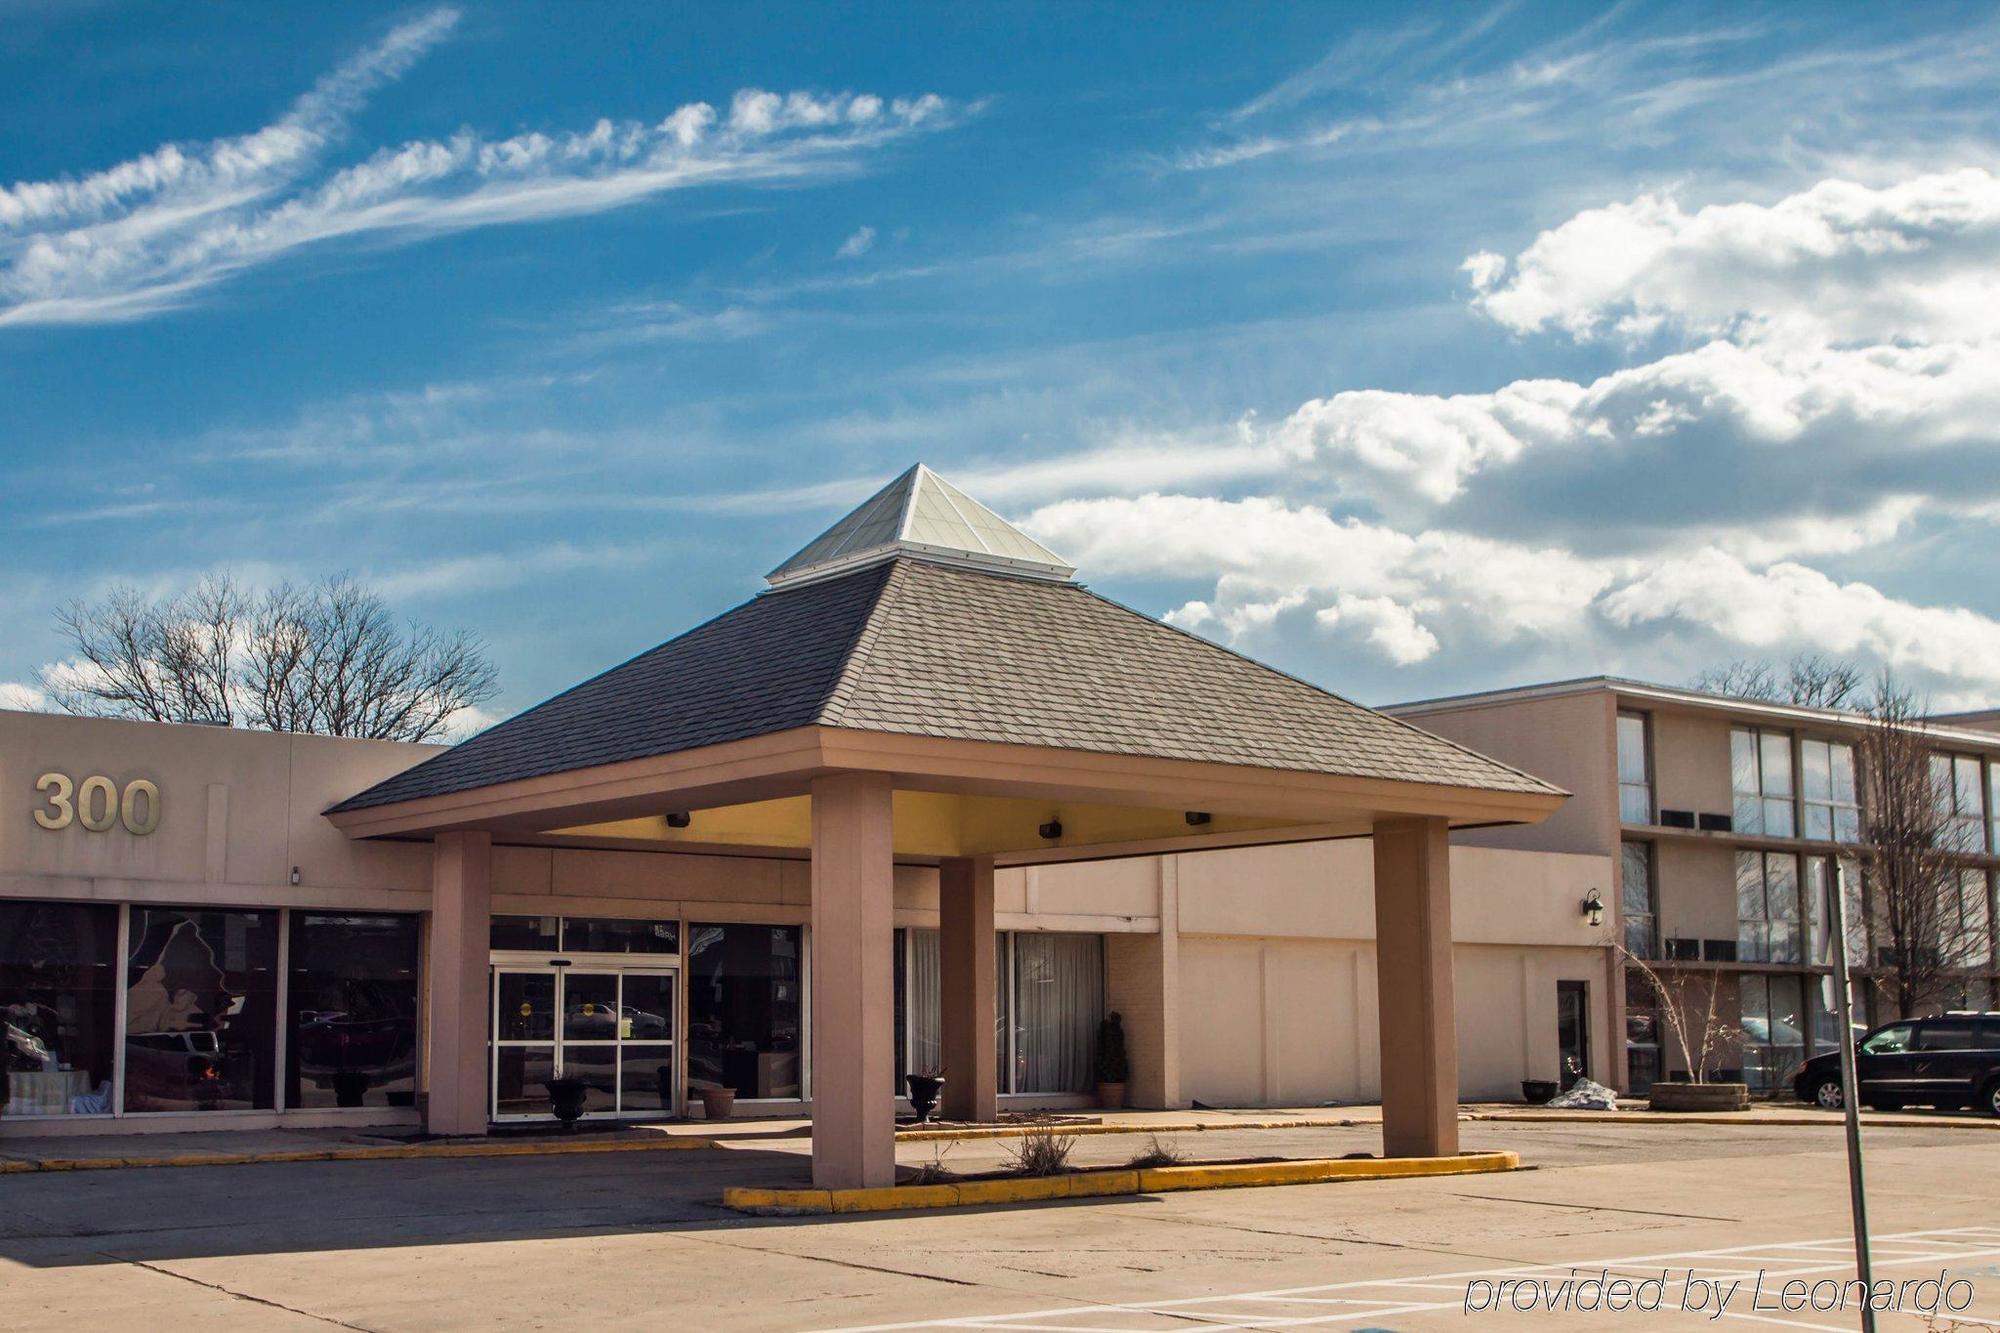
(201, 1010)
(351, 1038)
(58, 996)
(744, 991)
(1058, 990)
(609, 935)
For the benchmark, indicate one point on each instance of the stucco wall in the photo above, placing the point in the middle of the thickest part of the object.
(1565, 739)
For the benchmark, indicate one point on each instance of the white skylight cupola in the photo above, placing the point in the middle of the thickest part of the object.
(922, 516)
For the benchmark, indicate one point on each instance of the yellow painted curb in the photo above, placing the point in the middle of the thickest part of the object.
(921, 1135)
(398, 1152)
(1875, 1121)
(1110, 1183)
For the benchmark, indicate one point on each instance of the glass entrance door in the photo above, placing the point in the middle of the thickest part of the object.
(612, 1029)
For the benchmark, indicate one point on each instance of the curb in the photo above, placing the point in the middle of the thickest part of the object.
(1108, 1184)
(919, 1135)
(1653, 1118)
(385, 1153)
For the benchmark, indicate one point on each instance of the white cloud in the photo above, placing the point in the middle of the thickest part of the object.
(22, 697)
(857, 245)
(1408, 597)
(1840, 262)
(149, 234)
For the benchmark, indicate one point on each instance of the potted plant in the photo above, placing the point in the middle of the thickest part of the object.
(718, 1102)
(1688, 1008)
(1113, 1067)
(925, 1088)
(566, 1099)
(1539, 1091)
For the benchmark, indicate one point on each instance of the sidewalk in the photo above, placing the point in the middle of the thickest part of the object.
(82, 1152)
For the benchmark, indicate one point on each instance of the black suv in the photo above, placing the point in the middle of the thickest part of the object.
(1947, 1061)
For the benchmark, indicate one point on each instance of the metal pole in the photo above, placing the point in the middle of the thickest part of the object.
(1850, 1100)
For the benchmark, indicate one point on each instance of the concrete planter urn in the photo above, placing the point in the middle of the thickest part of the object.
(350, 1087)
(1110, 1096)
(1699, 1097)
(718, 1103)
(566, 1099)
(1539, 1091)
(925, 1089)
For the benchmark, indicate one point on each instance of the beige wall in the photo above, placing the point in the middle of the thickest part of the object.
(1691, 763)
(1565, 739)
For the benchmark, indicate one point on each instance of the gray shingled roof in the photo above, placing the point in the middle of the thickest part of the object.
(924, 649)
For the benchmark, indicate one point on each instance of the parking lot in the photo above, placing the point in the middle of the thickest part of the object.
(637, 1239)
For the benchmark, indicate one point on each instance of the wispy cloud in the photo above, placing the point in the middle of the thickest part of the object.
(151, 233)
(857, 245)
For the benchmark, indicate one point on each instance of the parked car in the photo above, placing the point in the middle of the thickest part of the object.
(1947, 1060)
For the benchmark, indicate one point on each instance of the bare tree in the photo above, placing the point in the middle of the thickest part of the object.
(1687, 1002)
(1809, 679)
(326, 657)
(1912, 857)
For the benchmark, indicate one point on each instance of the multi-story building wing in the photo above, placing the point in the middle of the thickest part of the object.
(1723, 817)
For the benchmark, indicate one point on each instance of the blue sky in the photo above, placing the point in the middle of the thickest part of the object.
(1412, 351)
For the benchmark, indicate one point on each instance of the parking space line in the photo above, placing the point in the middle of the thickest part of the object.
(1341, 1302)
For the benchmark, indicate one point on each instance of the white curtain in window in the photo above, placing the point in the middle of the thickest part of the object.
(926, 1008)
(1058, 1003)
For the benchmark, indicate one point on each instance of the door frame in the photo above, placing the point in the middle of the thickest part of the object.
(617, 965)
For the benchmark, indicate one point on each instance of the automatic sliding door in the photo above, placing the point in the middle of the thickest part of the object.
(524, 1042)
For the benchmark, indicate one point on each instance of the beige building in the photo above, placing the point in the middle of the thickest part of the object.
(1723, 816)
(926, 803)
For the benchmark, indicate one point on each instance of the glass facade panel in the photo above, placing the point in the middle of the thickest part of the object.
(597, 1068)
(647, 1010)
(536, 934)
(1753, 927)
(201, 1016)
(646, 1077)
(1749, 805)
(1642, 1032)
(590, 1006)
(522, 1075)
(1767, 907)
(744, 989)
(1635, 792)
(527, 1009)
(1635, 889)
(1826, 782)
(351, 996)
(1975, 899)
(1058, 1003)
(610, 935)
(58, 999)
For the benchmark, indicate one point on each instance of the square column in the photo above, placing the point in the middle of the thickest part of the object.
(1414, 988)
(456, 964)
(853, 982)
(965, 956)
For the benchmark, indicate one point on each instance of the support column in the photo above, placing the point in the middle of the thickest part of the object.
(965, 918)
(1414, 988)
(853, 982)
(456, 966)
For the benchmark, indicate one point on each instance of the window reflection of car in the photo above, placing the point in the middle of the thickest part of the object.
(332, 1040)
(1764, 1032)
(588, 1020)
(169, 1070)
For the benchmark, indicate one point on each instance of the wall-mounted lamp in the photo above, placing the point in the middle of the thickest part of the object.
(679, 819)
(1593, 908)
(1051, 830)
(1196, 818)
(295, 874)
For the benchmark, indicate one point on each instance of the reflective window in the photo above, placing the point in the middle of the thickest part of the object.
(1767, 907)
(1773, 1026)
(352, 997)
(1826, 784)
(536, 934)
(201, 1010)
(58, 997)
(1761, 774)
(1636, 904)
(608, 935)
(1635, 791)
(1975, 900)
(1642, 1032)
(1960, 792)
(1889, 1041)
(744, 1011)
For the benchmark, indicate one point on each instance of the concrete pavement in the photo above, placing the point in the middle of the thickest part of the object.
(637, 1240)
